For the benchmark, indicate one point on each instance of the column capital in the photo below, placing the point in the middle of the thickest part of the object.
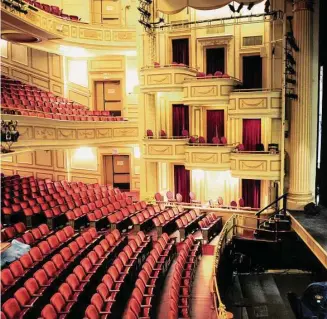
(303, 5)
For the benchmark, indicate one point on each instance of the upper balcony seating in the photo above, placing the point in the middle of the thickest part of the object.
(210, 226)
(23, 99)
(52, 10)
(181, 286)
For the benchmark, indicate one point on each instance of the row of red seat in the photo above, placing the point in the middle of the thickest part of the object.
(55, 10)
(143, 301)
(164, 222)
(181, 285)
(72, 263)
(30, 237)
(96, 267)
(22, 99)
(210, 226)
(189, 222)
(11, 232)
(25, 266)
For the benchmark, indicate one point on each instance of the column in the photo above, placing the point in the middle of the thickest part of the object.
(300, 192)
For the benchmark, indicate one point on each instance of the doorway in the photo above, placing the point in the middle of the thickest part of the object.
(251, 192)
(180, 119)
(252, 72)
(108, 97)
(180, 48)
(182, 182)
(215, 60)
(215, 124)
(117, 171)
(252, 135)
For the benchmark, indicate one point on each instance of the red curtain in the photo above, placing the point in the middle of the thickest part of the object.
(180, 119)
(180, 51)
(182, 182)
(215, 124)
(251, 133)
(251, 192)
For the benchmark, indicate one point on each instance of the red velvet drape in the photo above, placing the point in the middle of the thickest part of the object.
(182, 182)
(251, 133)
(180, 119)
(215, 124)
(251, 192)
(181, 51)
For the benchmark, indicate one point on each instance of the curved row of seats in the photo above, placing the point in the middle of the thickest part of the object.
(210, 226)
(23, 99)
(73, 264)
(164, 222)
(30, 237)
(100, 274)
(27, 264)
(180, 291)
(146, 292)
(188, 223)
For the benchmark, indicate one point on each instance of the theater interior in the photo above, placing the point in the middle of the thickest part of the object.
(163, 159)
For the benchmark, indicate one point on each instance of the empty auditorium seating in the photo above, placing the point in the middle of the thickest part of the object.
(144, 297)
(180, 291)
(27, 100)
(165, 221)
(189, 222)
(210, 226)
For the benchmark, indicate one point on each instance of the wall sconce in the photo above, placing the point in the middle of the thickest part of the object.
(9, 135)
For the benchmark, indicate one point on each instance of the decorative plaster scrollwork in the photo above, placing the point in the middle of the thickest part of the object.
(198, 158)
(44, 133)
(85, 134)
(65, 134)
(155, 150)
(248, 165)
(215, 41)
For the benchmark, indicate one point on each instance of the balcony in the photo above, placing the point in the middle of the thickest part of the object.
(41, 133)
(165, 149)
(256, 165)
(213, 90)
(208, 156)
(266, 103)
(44, 26)
(164, 78)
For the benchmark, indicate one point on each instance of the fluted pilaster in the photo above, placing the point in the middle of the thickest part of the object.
(301, 109)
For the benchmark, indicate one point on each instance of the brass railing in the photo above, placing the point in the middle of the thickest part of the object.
(225, 235)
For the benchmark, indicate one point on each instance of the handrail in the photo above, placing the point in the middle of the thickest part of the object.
(271, 204)
(220, 308)
(277, 210)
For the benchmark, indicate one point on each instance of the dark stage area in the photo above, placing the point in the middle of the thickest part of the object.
(316, 226)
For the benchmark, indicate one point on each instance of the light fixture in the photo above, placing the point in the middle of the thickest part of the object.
(9, 135)
(267, 6)
(84, 154)
(291, 41)
(240, 7)
(251, 5)
(144, 12)
(137, 152)
(232, 8)
(290, 59)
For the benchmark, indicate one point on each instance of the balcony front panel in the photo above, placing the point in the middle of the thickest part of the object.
(169, 150)
(259, 103)
(47, 26)
(256, 165)
(164, 79)
(208, 91)
(208, 157)
(40, 133)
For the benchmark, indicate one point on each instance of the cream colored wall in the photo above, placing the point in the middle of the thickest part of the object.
(73, 7)
(35, 67)
(84, 164)
(229, 36)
